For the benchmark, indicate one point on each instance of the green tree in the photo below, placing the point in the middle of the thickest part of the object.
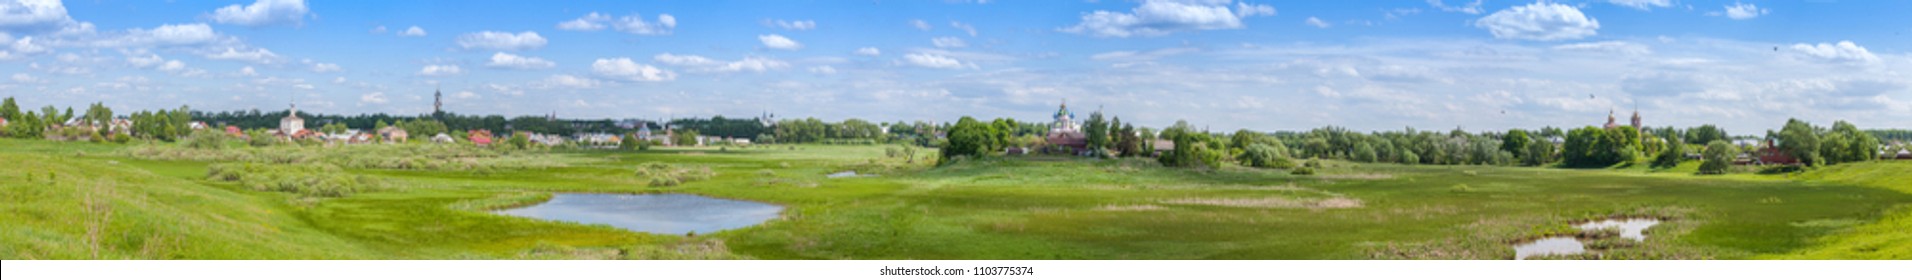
(1515, 141)
(9, 110)
(1671, 156)
(968, 137)
(1706, 134)
(1538, 153)
(1718, 157)
(1364, 152)
(1097, 132)
(1264, 156)
(1798, 139)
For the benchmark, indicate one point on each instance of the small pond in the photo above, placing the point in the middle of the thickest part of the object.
(653, 213)
(844, 174)
(1629, 228)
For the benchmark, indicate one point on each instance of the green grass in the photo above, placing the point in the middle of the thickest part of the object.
(1038, 207)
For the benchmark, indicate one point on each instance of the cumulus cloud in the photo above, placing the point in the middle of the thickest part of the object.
(413, 31)
(504, 41)
(1540, 21)
(935, 61)
(557, 81)
(948, 42)
(775, 41)
(440, 70)
(1615, 47)
(256, 55)
(920, 25)
(792, 25)
(1642, 4)
(1743, 11)
(703, 64)
(869, 51)
(326, 68)
(505, 60)
(34, 16)
(262, 12)
(248, 71)
(633, 24)
(623, 68)
(26, 79)
(824, 69)
(1161, 17)
(1841, 52)
(144, 61)
(375, 97)
(1318, 23)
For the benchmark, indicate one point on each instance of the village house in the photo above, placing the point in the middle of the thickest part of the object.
(479, 137)
(393, 134)
(443, 138)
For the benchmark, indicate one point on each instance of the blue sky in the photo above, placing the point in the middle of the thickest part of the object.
(1264, 65)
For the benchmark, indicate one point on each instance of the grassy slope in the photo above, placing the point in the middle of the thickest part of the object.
(45, 197)
(1889, 238)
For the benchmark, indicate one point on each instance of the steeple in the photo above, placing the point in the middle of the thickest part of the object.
(438, 101)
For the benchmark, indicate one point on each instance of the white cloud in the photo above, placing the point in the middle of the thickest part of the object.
(1470, 8)
(26, 79)
(375, 97)
(248, 72)
(1615, 47)
(149, 60)
(590, 22)
(1642, 4)
(440, 70)
(378, 30)
(965, 27)
(920, 24)
(413, 31)
(1243, 9)
(172, 66)
(623, 68)
(1161, 17)
(254, 55)
(792, 25)
(935, 61)
(824, 69)
(1540, 21)
(703, 64)
(164, 35)
(505, 60)
(1841, 52)
(555, 81)
(948, 42)
(338, 80)
(869, 51)
(505, 41)
(1742, 11)
(775, 41)
(633, 24)
(465, 95)
(30, 16)
(263, 12)
(1317, 22)
(326, 68)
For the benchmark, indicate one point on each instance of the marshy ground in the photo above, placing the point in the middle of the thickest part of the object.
(103, 201)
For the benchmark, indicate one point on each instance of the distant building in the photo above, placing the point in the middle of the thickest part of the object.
(291, 125)
(1064, 134)
(479, 137)
(3, 122)
(442, 138)
(393, 134)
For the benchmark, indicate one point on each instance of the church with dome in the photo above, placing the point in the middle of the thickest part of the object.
(1065, 136)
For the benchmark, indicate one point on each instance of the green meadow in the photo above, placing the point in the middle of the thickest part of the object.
(109, 201)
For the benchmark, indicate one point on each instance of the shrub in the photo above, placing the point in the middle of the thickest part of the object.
(1718, 157)
(1303, 171)
(1264, 156)
(1460, 188)
(665, 175)
(321, 180)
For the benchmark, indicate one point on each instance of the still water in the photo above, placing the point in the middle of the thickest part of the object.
(654, 213)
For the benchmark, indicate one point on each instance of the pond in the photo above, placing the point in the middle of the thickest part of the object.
(1631, 228)
(674, 214)
(844, 174)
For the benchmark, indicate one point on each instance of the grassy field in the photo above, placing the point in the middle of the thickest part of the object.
(94, 201)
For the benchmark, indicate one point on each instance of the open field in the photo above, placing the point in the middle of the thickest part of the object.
(103, 201)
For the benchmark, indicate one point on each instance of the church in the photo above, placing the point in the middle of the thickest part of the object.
(1065, 136)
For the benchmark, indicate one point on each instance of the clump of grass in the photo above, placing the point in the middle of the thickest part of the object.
(313, 180)
(1771, 200)
(665, 175)
(398, 157)
(1471, 173)
(1460, 188)
(1302, 171)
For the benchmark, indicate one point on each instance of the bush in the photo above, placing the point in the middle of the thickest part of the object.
(665, 175)
(1264, 156)
(1302, 171)
(1674, 153)
(1460, 188)
(1718, 157)
(322, 180)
